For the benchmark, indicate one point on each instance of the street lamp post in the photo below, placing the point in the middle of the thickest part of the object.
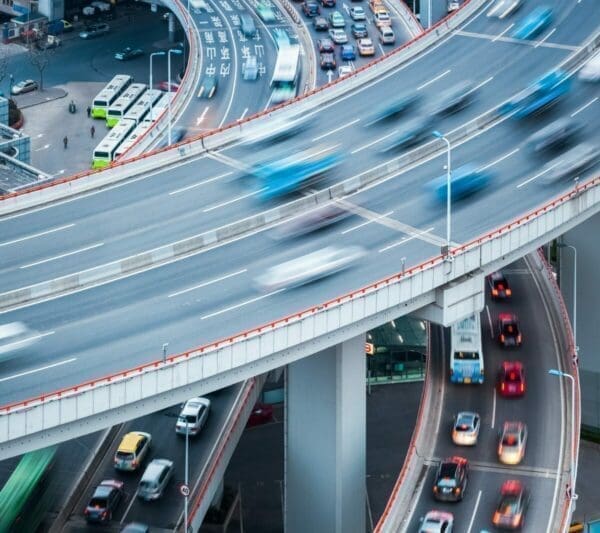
(177, 52)
(438, 135)
(574, 458)
(152, 55)
(185, 504)
(562, 245)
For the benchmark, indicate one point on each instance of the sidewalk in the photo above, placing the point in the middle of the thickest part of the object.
(39, 97)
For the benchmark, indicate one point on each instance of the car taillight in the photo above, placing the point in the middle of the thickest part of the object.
(500, 450)
(517, 519)
(494, 292)
(502, 338)
(435, 489)
(457, 490)
(519, 338)
(502, 386)
(522, 387)
(134, 463)
(496, 517)
(508, 292)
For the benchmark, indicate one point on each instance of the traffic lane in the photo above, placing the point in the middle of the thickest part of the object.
(166, 444)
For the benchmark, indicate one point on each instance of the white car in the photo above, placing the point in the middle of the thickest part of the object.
(437, 522)
(310, 267)
(513, 440)
(591, 70)
(199, 5)
(466, 428)
(345, 70)
(338, 36)
(15, 337)
(357, 13)
(25, 86)
(193, 416)
(453, 5)
(503, 8)
(365, 47)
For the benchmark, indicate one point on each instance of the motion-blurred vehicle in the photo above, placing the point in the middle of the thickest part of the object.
(509, 332)
(25, 86)
(512, 443)
(165, 86)
(310, 221)
(539, 96)
(394, 108)
(177, 134)
(451, 479)
(325, 45)
(250, 68)
(311, 9)
(247, 25)
(345, 70)
(359, 30)
(279, 130)
(412, 132)
(95, 30)
(262, 413)
(365, 47)
(465, 430)
(591, 70)
(136, 527)
(382, 18)
(129, 53)
(328, 3)
(503, 8)
(534, 23)
(453, 5)
(338, 36)
(499, 287)
(510, 513)
(208, 87)
(309, 267)
(454, 99)
(155, 479)
(357, 13)
(199, 5)
(327, 61)
(132, 450)
(511, 379)
(570, 163)
(320, 24)
(554, 135)
(193, 416)
(465, 181)
(348, 52)
(336, 20)
(437, 522)
(386, 35)
(265, 11)
(105, 500)
(15, 337)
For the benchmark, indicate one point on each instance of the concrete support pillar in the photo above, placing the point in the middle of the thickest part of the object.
(325, 465)
(585, 239)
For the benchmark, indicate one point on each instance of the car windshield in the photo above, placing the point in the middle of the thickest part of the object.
(98, 503)
(125, 456)
(509, 505)
(510, 439)
(447, 482)
(510, 328)
(465, 423)
(473, 356)
(187, 419)
(512, 376)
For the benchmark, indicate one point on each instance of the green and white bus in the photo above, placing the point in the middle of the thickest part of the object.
(124, 103)
(107, 96)
(24, 500)
(161, 106)
(140, 129)
(140, 109)
(105, 152)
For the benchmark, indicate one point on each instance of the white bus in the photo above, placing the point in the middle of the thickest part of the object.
(285, 76)
(139, 110)
(161, 106)
(104, 154)
(118, 109)
(139, 130)
(107, 96)
(466, 355)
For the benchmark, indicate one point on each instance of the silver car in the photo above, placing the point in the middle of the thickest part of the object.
(155, 479)
(570, 163)
(193, 416)
(513, 441)
(15, 337)
(465, 430)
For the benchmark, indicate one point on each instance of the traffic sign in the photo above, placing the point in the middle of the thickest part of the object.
(185, 490)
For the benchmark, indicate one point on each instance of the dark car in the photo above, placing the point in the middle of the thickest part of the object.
(328, 3)
(392, 109)
(509, 333)
(499, 287)
(95, 30)
(412, 132)
(129, 53)
(555, 135)
(313, 220)
(510, 513)
(325, 45)
(327, 61)
(311, 9)
(105, 500)
(451, 479)
(359, 30)
(208, 87)
(455, 99)
(320, 24)
(511, 379)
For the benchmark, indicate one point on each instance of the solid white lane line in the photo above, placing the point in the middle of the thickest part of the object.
(585, 106)
(207, 283)
(368, 145)
(200, 183)
(527, 42)
(500, 35)
(537, 175)
(494, 409)
(405, 240)
(358, 226)
(133, 500)
(343, 126)
(310, 153)
(67, 254)
(34, 235)
(474, 512)
(232, 201)
(201, 118)
(243, 114)
(489, 315)
(241, 304)
(539, 43)
(35, 370)
(480, 85)
(438, 77)
(500, 159)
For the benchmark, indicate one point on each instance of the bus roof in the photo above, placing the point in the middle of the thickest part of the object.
(115, 136)
(141, 106)
(131, 94)
(140, 129)
(114, 85)
(286, 66)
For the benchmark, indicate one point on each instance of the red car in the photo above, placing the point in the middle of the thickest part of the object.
(510, 513)
(164, 86)
(511, 379)
(499, 286)
(509, 333)
(261, 414)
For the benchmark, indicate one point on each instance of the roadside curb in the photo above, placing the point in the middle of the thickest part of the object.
(61, 93)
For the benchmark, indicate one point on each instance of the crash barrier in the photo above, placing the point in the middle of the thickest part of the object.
(409, 19)
(162, 158)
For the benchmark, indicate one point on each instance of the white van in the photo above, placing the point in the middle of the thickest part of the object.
(386, 35)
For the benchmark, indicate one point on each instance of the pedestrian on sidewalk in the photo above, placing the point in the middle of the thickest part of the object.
(65, 141)
(89, 111)
(92, 131)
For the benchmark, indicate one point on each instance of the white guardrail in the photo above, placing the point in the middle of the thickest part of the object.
(162, 159)
(295, 336)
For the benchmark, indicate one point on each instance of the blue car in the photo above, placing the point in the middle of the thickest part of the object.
(348, 52)
(534, 23)
(465, 181)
